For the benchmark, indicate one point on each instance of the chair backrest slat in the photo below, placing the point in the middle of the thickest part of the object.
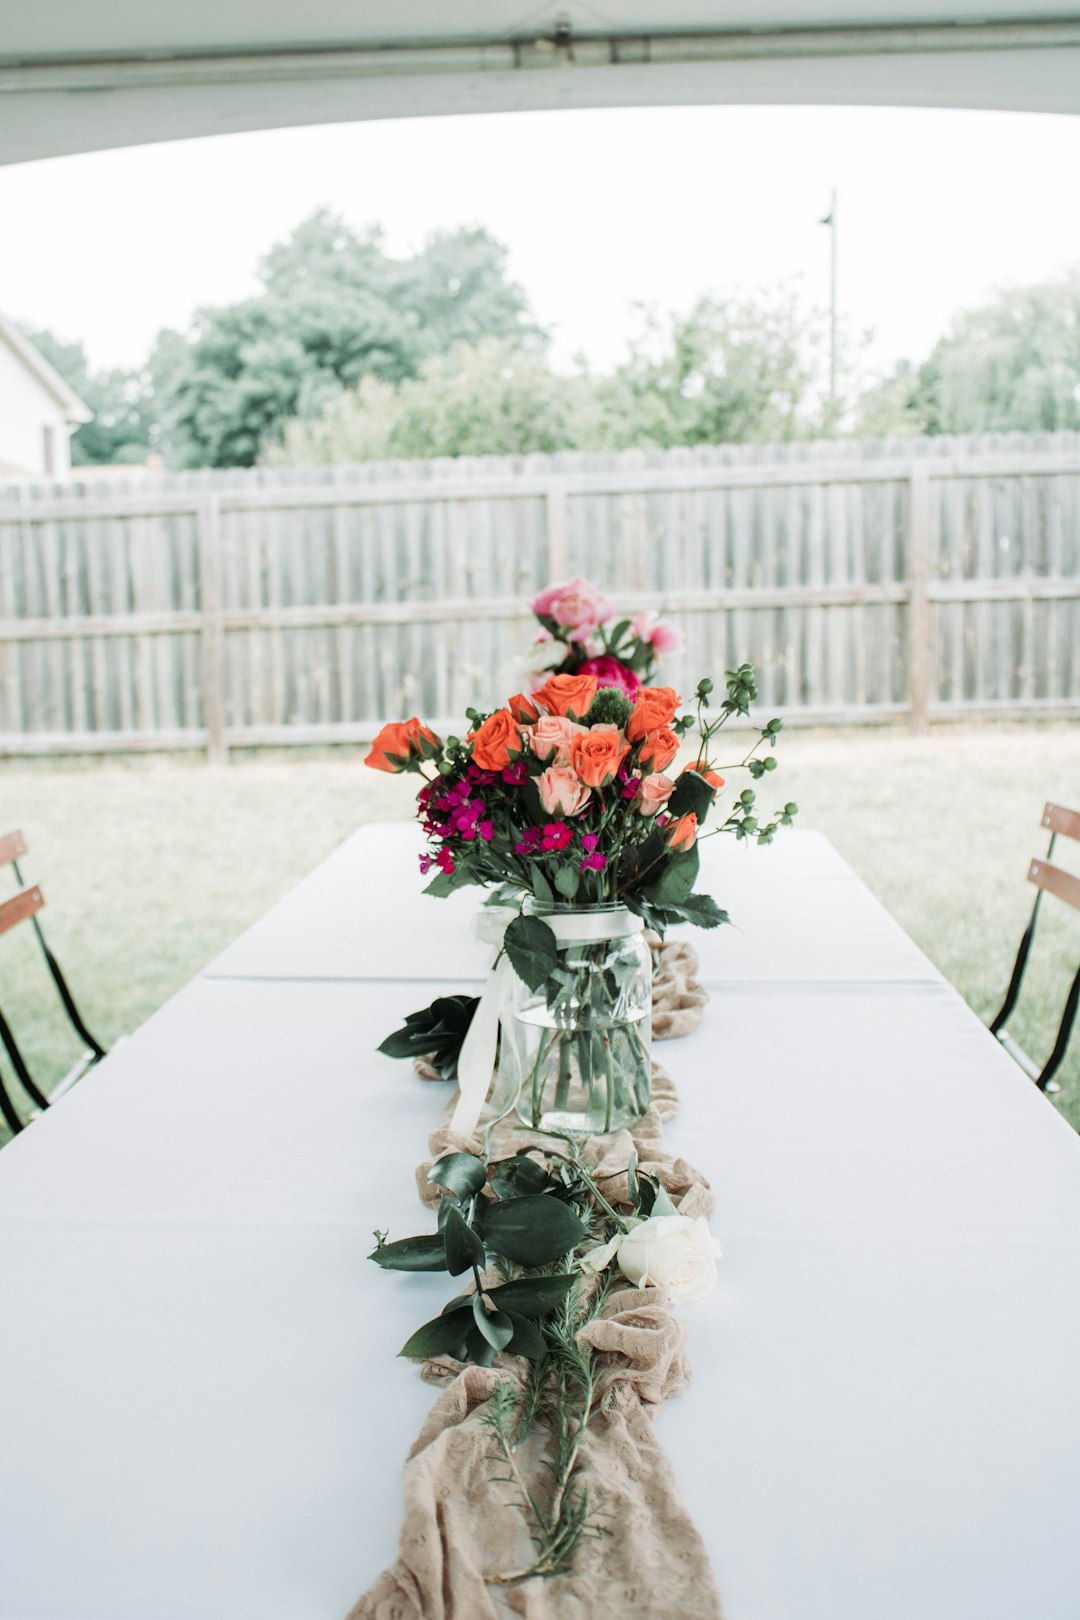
(1057, 819)
(20, 906)
(12, 847)
(1055, 881)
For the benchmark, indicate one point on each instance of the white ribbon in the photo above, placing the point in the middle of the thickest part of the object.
(476, 1062)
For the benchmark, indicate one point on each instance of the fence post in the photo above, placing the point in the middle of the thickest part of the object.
(212, 663)
(919, 521)
(558, 530)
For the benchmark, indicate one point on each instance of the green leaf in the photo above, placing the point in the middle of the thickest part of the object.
(533, 1296)
(534, 955)
(662, 1204)
(692, 793)
(496, 1326)
(632, 1180)
(426, 1253)
(444, 883)
(532, 1231)
(699, 909)
(677, 877)
(463, 1174)
(445, 1336)
(568, 881)
(463, 1247)
(527, 1340)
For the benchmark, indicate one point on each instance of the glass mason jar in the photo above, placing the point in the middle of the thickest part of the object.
(578, 1053)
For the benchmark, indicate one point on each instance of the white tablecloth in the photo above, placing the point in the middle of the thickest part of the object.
(206, 1418)
(798, 913)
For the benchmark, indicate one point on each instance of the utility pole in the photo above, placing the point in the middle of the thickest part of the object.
(830, 220)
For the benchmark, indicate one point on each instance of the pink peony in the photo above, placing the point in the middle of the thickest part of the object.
(612, 672)
(551, 736)
(654, 793)
(574, 604)
(662, 636)
(562, 793)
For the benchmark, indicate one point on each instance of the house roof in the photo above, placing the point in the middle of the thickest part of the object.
(75, 409)
(209, 66)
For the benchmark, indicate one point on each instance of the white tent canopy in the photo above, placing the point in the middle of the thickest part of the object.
(80, 77)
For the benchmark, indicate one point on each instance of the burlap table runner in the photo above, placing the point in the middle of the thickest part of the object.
(462, 1525)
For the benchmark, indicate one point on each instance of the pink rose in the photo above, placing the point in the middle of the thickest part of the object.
(575, 604)
(654, 793)
(612, 672)
(551, 736)
(562, 793)
(662, 636)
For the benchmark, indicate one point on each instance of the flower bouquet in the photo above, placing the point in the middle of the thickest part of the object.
(580, 635)
(567, 804)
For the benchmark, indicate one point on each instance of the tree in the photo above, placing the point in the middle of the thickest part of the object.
(1012, 365)
(122, 426)
(334, 308)
(733, 371)
(490, 399)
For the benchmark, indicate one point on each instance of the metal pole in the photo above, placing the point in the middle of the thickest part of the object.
(831, 221)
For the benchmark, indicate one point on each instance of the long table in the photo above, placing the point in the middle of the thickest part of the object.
(205, 1416)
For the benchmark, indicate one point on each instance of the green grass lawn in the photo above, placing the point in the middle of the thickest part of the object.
(150, 868)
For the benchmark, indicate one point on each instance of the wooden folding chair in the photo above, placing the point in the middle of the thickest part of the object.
(23, 906)
(1048, 879)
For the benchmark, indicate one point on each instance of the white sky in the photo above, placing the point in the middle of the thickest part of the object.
(599, 210)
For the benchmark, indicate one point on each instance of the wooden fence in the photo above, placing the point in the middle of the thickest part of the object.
(928, 580)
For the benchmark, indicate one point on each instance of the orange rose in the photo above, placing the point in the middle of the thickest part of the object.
(681, 834)
(714, 779)
(523, 709)
(497, 741)
(571, 695)
(596, 754)
(654, 707)
(658, 749)
(400, 744)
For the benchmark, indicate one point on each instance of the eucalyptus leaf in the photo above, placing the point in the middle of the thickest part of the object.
(463, 1247)
(530, 945)
(568, 881)
(426, 1253)
(496, 1326)
(519, 1174)
(532, 1231)
(540, 885)
(527, 1340)
(444, 1336)
(533, 1296)
(462, 1174)
(478, 1349)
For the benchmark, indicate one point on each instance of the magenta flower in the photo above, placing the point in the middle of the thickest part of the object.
(556, 836)
(593, 863)
(612, 672)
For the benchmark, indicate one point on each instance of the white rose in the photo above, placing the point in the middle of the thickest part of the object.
(546, 652)
(674, 1252)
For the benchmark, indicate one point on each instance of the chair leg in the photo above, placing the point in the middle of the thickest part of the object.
(7, 1108)
(18, 1063)
(1057, 1056)
(1013, 992)
(75, 1018)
